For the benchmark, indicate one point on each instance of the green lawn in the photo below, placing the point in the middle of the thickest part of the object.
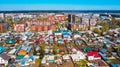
(81, 63)
(113, 60)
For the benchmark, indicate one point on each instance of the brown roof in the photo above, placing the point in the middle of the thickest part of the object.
(4, 56)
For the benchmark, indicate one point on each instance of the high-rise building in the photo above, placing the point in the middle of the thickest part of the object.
(71, 18)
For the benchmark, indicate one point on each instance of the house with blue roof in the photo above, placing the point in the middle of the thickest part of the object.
(118, 65)
(106, 41)
(29, 48)
(66, 34)
(113, 65)
(105, 54)
(103, 50)
(26, 48)
(23, 62)
(37, 48)
(27, 61)
(28, 33)
(31, 58)
(60, 40)
(118, 41)
(1, 49)
(18, 48)
(119, 35)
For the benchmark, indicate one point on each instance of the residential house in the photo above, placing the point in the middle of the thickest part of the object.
(57, 33)
(49, 59)
(18, 58)
(93, 55)
(10, 42)
(51, 36)
(1, 49)
(66, 34)
(97, 63)
(4, 59)
(27, 61)
(66, 57)
(105, 54)
(24, 50)
(11, 52)
(60, 40)
(78, 56)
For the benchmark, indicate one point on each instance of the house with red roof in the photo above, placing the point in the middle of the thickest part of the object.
(93, 55)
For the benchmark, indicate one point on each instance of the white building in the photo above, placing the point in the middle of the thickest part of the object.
(78, 56)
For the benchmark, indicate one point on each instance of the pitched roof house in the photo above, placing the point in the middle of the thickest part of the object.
(93, 55)
(1, 49)
(4, 59)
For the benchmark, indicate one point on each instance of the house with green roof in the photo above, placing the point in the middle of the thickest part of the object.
(10, 41)
(75, 32)
(57, 32)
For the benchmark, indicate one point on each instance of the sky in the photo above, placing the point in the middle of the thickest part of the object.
(59, 5)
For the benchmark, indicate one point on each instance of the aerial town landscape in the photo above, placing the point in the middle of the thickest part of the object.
(59, 39)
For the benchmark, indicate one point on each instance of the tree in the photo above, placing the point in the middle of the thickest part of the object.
(118, 48)
(105, 27)
(55, 48)
(9, 21)
(104, 46)
(114, 23)
(82, 63)
(42, 51)
(96, 30)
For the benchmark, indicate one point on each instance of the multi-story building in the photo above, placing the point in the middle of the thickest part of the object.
(48, 23)
(19, 27)
(1, 28)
